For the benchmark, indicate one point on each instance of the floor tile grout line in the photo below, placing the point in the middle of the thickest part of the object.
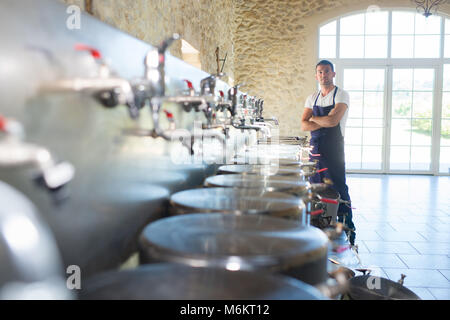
(423, 288)
(398, 256)
(443, 274)
(428, 222)
(433, 295)
(422, 236)
(411, 245)
(365, 246)
(428, 289)
(419, 268)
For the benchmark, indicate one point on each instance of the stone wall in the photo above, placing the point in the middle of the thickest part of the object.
(205, 24)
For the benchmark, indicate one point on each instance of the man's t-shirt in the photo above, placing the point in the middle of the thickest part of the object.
(342, 96)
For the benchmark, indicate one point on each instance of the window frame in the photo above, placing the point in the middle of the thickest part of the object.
(390, 63)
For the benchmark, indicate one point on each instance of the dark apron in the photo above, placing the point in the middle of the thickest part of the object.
(329, 144)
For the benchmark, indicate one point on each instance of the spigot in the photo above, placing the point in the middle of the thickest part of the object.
(264, 129)
(204, 103)
(104, 70)
(155, 66)
(244, 101)
(232, 97)
(190, 87)
(154, 63)
(259, 109)
(208, 84)
(171, 120)
(14, 152)
(209, 114)
(273, 119)
(155, 77)
(224, 127)
(253, 102)
(107, 88)
(223, 105)
(402, 279)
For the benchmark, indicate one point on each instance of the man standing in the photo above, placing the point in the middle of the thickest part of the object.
(325, 115)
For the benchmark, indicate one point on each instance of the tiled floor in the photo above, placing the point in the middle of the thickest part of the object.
(403, 226)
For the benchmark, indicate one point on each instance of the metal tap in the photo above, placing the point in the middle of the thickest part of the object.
(154, 73)
(151, 90)
(273, 119)
(264, 129)
(402, 279)
(232, 98)
(225, 129)
(155, 76)
(155, 66)
(222, 104)
(108, 88)
(14, 152)
(208, 84)
(259, 109)
(243, 99)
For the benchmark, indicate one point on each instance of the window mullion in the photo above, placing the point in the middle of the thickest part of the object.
(437, 120)
(441, 53)
(387, 119)
(389, 35)
(338, 38)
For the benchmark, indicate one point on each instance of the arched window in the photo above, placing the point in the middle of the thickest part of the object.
(396, 66)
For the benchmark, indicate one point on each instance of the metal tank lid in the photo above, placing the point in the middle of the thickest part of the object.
(176, 282)
(233, 242)
(268, 183)
(266, 170)
(237, 201)
(268, 160)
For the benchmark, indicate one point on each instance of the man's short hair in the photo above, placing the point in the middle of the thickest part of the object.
(325, 63)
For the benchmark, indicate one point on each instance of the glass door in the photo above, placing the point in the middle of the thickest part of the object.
(411, 120)
(444, 155)
(364, 133)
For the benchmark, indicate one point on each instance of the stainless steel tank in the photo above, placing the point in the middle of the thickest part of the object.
(166, 281)
(238, 201)
(31, 266)
(247, 242)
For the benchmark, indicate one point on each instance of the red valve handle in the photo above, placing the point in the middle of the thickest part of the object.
(341, 249)
(325, 200)
(94, 52)
(314, 154)
(221, 93)
(3, 122)
(189, 84)
(322, 170)
(317, 212)
(169, 115)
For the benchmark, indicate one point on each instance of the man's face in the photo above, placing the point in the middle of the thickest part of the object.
(325, 75)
